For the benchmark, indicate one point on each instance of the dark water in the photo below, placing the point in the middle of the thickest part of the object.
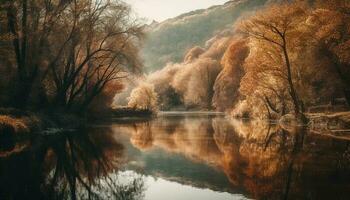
(177, 156)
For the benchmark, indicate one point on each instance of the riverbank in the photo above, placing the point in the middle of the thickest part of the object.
(20, 122)
(16, 124)
(131, 112)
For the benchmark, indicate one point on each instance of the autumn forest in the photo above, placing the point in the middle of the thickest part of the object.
(287, 58)
(237, 99)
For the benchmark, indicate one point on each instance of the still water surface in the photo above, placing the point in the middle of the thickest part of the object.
(178, 156)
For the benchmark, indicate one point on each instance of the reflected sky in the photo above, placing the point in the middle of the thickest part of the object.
(159, 188)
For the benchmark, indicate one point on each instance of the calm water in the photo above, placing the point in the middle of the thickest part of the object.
(177, 156)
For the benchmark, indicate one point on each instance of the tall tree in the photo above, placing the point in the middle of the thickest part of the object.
(29, 23)
(69, 50)
(100, 48)
(274, 26)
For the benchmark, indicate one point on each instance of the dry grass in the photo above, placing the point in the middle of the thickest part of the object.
(20, 125)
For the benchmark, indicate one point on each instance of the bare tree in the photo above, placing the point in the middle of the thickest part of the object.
(71, 49)
(100, 49)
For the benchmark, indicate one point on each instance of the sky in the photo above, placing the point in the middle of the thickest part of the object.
(160, 10)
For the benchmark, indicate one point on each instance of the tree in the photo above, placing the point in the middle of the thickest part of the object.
(29, 23)
(228, 81)
(99, 49)
(275, 26)
(69, 50)
(265, 80)
(144, 97)
(195, 80)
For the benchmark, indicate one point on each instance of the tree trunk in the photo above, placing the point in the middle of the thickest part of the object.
(268, 110)
(60, 99)
(21, 92)
(293, 93)
(269, 103)
(24, 81)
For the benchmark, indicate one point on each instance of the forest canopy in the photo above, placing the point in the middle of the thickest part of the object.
(286, 57)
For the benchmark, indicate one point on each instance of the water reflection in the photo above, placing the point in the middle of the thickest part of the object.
(261, 160)
(177, 157)
(68, 165)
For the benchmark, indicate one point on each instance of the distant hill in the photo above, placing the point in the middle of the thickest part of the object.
(168, 41)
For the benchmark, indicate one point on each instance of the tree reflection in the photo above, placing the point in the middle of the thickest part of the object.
(68, 165)
(261, 158)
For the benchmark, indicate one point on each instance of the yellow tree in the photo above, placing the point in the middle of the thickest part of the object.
(276, 26)
(264, 78)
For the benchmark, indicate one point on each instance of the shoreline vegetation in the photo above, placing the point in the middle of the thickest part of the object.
(17, 124)
(280, 59)
(21, 123)
(132, 112)
(62, 62)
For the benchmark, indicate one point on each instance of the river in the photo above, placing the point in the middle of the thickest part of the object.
(177, 156)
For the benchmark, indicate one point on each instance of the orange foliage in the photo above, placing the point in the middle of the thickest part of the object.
(228, 81)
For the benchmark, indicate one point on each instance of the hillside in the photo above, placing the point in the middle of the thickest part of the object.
(170, 40)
